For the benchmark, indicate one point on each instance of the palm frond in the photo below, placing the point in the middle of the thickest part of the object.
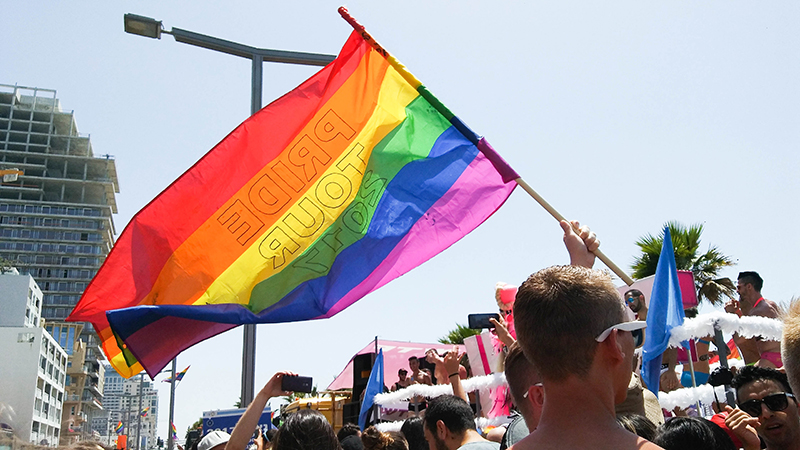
(686, 244)
(457, 335)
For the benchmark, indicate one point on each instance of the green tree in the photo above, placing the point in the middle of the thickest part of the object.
(193, 433)
(5, 265)
(295, 395)
(457, 335)
(705, 267)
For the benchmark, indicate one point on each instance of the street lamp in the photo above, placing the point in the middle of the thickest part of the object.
(148, 27)
(143, 26)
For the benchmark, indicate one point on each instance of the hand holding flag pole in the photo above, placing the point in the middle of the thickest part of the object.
(553, 212)
(490, 153)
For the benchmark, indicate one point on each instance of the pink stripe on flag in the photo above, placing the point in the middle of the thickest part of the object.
(475, 196)
(161, 346)
(484, 359)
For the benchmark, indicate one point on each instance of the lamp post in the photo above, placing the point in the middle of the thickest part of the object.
(170, 434)
(139, 416)
(148, 27)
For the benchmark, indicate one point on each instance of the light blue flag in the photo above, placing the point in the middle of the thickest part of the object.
(374, 387)
(665, 313)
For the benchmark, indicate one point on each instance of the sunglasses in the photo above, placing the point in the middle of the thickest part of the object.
(636, 328)
(525, 395)
(775, 402)
(630, 300)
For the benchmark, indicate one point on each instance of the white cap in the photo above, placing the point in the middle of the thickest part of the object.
(213, 439)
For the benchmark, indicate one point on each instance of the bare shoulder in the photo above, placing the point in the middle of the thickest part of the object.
(645, 444)
(766, 308)
(612, 441)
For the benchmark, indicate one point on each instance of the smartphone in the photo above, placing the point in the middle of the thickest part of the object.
(296, 383)
(479, 321)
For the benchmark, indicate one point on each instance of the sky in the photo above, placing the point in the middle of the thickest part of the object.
(623, 115)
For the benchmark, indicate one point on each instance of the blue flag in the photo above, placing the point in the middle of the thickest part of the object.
(374, 387)
(665, 313)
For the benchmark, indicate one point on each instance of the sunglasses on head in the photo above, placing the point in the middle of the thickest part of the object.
(636, 329)
(775, 402)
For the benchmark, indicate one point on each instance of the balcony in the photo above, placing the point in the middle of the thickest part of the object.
(91, 402)
(93, 388)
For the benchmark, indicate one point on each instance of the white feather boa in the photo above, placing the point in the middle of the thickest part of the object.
(399, 399)
(686, 397)
(703, 326)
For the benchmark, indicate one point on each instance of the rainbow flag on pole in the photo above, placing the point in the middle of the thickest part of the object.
(178, 376)
(174, 431)
(350, 180)
(119, 428)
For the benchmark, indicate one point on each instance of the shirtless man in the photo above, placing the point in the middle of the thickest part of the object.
(417, 375)
(571, 325)
(755, 350)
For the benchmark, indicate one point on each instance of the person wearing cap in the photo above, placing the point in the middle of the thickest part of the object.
(215, 440)
(404, 381)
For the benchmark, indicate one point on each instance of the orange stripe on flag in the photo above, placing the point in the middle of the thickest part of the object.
(234, 228)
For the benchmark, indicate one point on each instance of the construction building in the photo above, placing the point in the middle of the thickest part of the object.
(56, 204)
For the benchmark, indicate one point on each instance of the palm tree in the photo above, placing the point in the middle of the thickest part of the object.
(457, 335)
(297, 395)
(705, 267)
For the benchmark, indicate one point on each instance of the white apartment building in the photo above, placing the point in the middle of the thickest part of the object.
(13, 311)
(121, 403)
(33, 366)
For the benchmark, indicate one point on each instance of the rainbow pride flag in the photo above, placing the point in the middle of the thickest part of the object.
(119, 428)
(178, 376)
(174, 431)
(343, 184)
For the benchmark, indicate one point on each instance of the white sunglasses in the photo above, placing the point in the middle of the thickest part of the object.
(634, 327)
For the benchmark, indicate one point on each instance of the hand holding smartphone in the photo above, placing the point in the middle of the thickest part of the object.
(296, 383)
(480, 321)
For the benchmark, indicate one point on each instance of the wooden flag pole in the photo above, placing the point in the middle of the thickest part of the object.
(610, 264)
(413, 81)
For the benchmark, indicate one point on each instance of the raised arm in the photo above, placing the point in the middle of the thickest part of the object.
(249, 420)
(452, 367)
(501, 328)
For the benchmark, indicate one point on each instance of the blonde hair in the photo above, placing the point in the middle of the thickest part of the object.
(790, 344)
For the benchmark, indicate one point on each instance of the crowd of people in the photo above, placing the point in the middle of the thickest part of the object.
(572, 368)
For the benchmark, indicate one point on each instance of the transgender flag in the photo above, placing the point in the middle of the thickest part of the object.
(345, 183)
